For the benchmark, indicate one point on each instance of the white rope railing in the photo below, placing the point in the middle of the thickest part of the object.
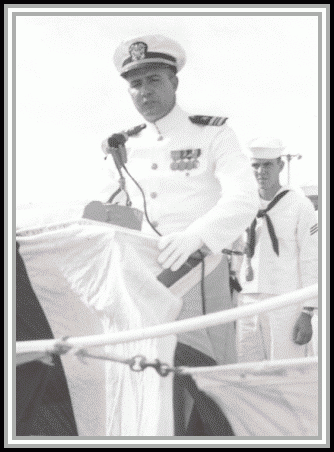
(252, 368)
(180, 326)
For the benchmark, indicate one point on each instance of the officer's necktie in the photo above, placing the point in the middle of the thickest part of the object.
(250, 248)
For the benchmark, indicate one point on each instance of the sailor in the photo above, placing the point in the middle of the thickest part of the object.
(281, 256)
(200, 194)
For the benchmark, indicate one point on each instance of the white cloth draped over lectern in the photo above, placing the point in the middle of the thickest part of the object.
(95, 278)
(92, 278)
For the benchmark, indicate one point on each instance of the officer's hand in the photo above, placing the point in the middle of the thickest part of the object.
(302, 331)
(177, 247)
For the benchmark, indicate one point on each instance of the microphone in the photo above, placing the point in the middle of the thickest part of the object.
(115, 145)
(118, 139)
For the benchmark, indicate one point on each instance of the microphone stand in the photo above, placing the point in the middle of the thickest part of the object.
(116, 214)
(119, 156)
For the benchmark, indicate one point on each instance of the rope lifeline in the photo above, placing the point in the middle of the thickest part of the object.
(175, 327)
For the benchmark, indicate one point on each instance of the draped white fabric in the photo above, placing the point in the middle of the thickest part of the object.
(269, 398)
(92, 278)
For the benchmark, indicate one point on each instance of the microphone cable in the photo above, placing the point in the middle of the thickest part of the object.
(203, 298)
(202, 286)
(144, 200)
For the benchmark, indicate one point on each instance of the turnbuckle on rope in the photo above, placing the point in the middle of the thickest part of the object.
(137, 363)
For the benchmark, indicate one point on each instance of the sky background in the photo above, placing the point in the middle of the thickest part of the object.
(259, 71)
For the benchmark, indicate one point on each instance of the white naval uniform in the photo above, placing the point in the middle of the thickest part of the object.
(217, 200)
(269, 335)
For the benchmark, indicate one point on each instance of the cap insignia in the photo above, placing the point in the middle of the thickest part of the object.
(138, 51)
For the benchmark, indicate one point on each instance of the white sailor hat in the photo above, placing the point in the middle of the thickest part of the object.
(265, 148)
(140, 51)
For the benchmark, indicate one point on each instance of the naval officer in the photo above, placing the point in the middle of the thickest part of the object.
(200, 194)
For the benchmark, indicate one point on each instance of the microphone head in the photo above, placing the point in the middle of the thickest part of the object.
(116, 140)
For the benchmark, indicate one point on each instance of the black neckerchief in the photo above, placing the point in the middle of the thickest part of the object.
(251, 230)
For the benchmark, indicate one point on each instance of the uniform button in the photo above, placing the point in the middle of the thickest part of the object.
(154, 194)
(154, 166)
(155, 224)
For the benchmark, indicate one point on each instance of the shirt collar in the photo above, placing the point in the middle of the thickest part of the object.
(265, 202)
(169, 122)
(283, 188)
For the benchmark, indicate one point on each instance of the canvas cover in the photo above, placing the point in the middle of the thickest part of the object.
(268, 398)
(93, 278)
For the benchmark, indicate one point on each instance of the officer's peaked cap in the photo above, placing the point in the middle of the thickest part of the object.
(142, 50)
(265, 148)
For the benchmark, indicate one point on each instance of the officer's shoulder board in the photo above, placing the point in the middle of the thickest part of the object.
(208, 120)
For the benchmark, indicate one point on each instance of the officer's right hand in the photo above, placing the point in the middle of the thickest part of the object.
(177, 247)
